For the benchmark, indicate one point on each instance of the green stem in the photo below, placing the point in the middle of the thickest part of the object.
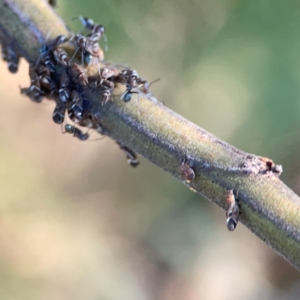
(269, 208)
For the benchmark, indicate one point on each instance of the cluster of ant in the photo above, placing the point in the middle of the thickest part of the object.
(56, 76)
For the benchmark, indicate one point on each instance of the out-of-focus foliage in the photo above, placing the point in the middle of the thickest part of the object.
(76, 222)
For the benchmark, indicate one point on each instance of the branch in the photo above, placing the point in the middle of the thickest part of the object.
(268, 207)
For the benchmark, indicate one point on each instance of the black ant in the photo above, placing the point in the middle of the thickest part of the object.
(64, 92)
(34, 92)
(232, 212)
(81, 43)
(45, 78)
(131, 156)
(11, 57)
(127, 95)
(87, 58)
(59, 113)
(78, 133)
(46, 53)
(61, 56)
(129, 77)
(79, 74)
(98, 30)
(76, 109)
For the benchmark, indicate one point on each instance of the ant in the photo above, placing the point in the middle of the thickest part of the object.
(45, 79)
(11, 57)
(81, 43)
(61, 56)
(98, 30)
(106, 86)
(78, 133)
(90, 25)
(127, 95)
(133, 81)
(59, 113)
(106, 91)
(79, 74)
(129, 77)
(144, 86)
(76, 109)
(46, 53)
(232, 212)
(34, 92)
(131, 156)
(64, 92)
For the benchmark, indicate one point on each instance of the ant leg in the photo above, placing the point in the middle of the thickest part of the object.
(153, 81)
(74, 55)
(105, 42)
(137, 102)
(101, 138)
(98, 63)
(123, 95)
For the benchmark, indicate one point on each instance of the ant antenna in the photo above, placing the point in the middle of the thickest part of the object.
(74, 54)
(105, 42)
(153, 81)
(101, 138)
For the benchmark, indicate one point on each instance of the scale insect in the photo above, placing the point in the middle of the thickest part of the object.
(187, 172)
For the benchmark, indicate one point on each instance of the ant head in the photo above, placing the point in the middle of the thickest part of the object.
(43, 49)
(87, 58)
(231, 224)
(127, 97)
(100, 29)
(86, 22)
(69, 128)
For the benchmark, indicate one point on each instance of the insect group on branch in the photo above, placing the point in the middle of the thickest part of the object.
(64, 78)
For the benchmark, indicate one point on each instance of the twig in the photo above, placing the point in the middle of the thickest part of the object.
(268, 207)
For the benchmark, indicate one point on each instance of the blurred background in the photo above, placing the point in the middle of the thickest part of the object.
(77, 222)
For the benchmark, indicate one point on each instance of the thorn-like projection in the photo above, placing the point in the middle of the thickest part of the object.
(261, 165)
(232, 212)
